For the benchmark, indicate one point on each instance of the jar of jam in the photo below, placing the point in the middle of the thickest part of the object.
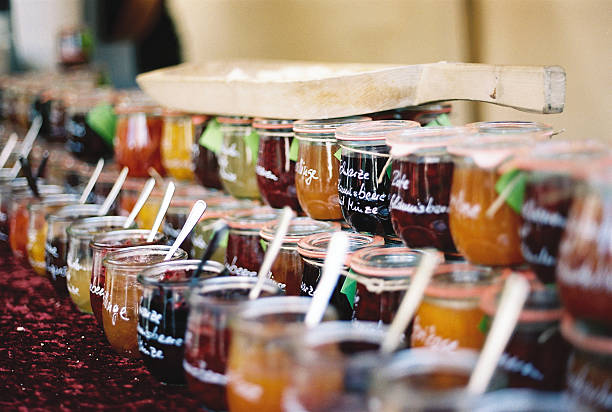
(177, 145)
(206, 164)
(421, 178)
(333, 366)
(175, 219)
(237, 159)
(259, 366)
(275, 170)
(56, 244)
(120, 312)
(313, 250)
(584, 271)
(37, 227)
(245, 253)
(317, 169)
(536, 355)
(104, 243)
(364, 159)
(589, 370)
(450, 317)
(78, 259)
(162, 315)
(84, 142)
(208, 338)
(138, 137)
(483, 233)
(383, 276)
(423, 114)
(55, 114)
(288, 266)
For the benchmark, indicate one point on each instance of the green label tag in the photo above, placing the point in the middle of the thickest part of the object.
(222, 242)
(293, 150)
(252, 142)
(212, 138)
(338, 154)
(515, 181)
(263, 244)
(484, 324)
(389, 169)
(441, 120)
(349, 288)
(103, 120)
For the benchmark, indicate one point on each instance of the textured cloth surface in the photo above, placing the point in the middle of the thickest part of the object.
(52, 357)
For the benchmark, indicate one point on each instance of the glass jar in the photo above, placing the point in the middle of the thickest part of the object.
(521, 400)
(421, 178)
(275, 170)
(333, 366)
(37, 227)
(213, 305)
(162, 315)
(175, 219)
(383, 276)
(56, 243)
(259, 366)
(101, 245)
(536, 355)
(206, 164)
(78, 259)
(363, 195)
(423, 114)
(288, 266)
(317, 170)
(237, 160)
(55, 108)
(313, 250)
(138, 138)
(584, 271)
(245, 253)
(82, 141)
(483, 233)
(541, 131)
(450, 316)
(589, 370)
(177, 145)
(120, 314)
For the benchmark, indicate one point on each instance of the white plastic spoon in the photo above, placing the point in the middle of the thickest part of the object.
(146, 191)
(163, 207)
(28, 142)
(112, 195)
(8, 149)
(92, 181)
(194, 217)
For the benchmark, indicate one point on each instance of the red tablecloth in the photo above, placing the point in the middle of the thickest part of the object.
(53, 357)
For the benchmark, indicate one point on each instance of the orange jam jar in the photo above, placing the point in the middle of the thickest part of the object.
(177, 143)
(317, 170)
(449, 315)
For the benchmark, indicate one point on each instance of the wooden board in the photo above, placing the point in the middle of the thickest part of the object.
(309, 90)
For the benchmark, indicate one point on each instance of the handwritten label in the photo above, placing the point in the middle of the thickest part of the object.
(471, 211)
(51, 250)
(96, 290)
(203, 374)
(308, 174)
(56, 271)
(115, 310)
(586, 276)
(400, 180)
(237, 270)
(427, 335)
(513, 364)
(543, 257)
(261, 171)
(397, 203)
(159, 338)
(151, 351)
(151, 315)
(595, 395)
(309, 290)
(535, 214)
(225, 153)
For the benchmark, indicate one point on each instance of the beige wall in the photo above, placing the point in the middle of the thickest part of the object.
(576, 34)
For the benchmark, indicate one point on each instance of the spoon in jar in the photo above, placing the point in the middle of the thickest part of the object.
(163, 207)
(146, 191)
(113, 192)
(27, 171)
(220, 229)
(272, 251)
(27, 143)
(334, 261)
(40, 172)
(410, 301)
(192, 219)
(92, 181)
(8, 149)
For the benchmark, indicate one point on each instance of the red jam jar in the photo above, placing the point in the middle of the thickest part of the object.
(244, 254)
(383, 276)
(589, 370)
(207, 341)
(206, 164)
(584, 271)
(313, 250)
(363, 196)
(421, 184)
(288, 266)
(138, 136)
(317, 169)
(275, 170)
(536, 355)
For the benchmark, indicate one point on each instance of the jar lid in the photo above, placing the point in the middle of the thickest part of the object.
(461, 281)
(272, 124)
(251, 220)
(586, 336)
(408, 141)
(488, 152)
(512, 128)
(315, 246)
(375, 131)
(326, 126)
(235, 120)
(299, 228)
(386, 261)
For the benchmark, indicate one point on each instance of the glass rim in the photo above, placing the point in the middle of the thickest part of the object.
(68, 212)
(220, 283)
(406, 261)
(148, 276)
(79, 228)
(112, 258)
(315, 246)
(338, 331)
(97, 243)
(469, 289)
(372, 132)
(325, 127)
(254, 219)
(299, 227)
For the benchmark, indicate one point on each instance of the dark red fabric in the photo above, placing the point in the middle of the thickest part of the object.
(52, 357)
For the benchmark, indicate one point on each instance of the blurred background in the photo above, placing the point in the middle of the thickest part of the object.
(133, 36)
